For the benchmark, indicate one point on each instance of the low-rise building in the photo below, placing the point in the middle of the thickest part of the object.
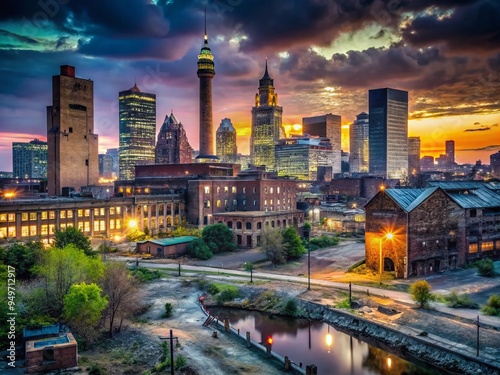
(165, 247)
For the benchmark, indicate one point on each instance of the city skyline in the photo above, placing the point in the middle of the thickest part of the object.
(324, 58)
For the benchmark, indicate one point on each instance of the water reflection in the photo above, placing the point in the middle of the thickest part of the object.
(312, 342)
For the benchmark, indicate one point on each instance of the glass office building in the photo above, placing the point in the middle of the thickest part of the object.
(29, 160)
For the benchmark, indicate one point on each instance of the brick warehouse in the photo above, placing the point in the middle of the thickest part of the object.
(434, 229)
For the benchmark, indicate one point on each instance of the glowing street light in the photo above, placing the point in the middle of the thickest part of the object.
(132, 224)
(387, 236)
(329, 340)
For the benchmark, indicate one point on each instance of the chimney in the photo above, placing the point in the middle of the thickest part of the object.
(68, 71)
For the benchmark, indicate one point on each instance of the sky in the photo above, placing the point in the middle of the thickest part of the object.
(324, 56)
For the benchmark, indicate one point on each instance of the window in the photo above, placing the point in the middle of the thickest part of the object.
(86, 226)
(62, 226)
(111, 210)
(225, 202)
(233, 189)
(24, 216)
(218, 203)
(96, 212)
(96, 225)
(70, 214)
(102, 225)
(111, 224)
(44, 230)
(473, 248)
(32, 216)
(208, 204)
(118, 224)
(255, 203)
(244, 202)
(278, 189)
(11, 217)
(86, 213)
(265, 189)
(265, 202)
(473, 213)
(271, 190)
(102, 211)
(487, 246)
(235, 202)
(238, 225)
(230, 224)
(3, 217)
(33, 230)
(243, 190)
(207, 190)
(80, 213)
(62, 214)
(254, 190)
(52, 228)
(25, 231)
(218, 189)
(11, 232)
(226, 189)
(118, 210)
(52, 215)
(249, 225)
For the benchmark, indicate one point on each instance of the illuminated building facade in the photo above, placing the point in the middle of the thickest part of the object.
(225, 141)
(300, 157)
(413, 156)
(495, 164)
(267, 128)
(359, 146)
(72, 146)
(388, 133)
(450, 153)
(29, 160)
(172, 146)
(137, 130)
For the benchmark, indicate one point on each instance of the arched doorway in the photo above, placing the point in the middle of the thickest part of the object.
(388, 265)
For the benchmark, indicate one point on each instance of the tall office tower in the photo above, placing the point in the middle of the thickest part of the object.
(225, 141)
(358, 148)
(137, 130)
(72, 159)
(29, 160)
(427, 163)
(450, 153)
(105, 166)
(388, 133)
(266, 124)
(173, 146)
(114, 153)
(413, 156)
(495, 164)
(328, 126)
(301, 156)
(206, 72)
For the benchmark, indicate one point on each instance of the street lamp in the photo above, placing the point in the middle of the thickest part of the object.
(388, 236)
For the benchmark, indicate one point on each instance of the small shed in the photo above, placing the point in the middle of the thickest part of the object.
(165, 247)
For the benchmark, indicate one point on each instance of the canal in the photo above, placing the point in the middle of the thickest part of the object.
(311, 342)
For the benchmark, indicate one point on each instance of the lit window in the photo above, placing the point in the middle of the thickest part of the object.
(25, 231)
(111, 224)
(52, 228)
(11, 232)
(11, 217)
(271, 190)
(208, 203)
(33, 230)
(87, 213)
(487, 246)
(207, 190)
(101, 211)
(52, 215)
(243, 190)
(70, 214)
(44, 230)
(96, 212)
(218, 189)
(218, 203)
(118, 210)
(24, 216)
(225, 202)
(62, 214)
(80, 213)
(102, 225)
(86, 226)
(111, 210)
(254, 189)
(3, 232)
(473, 248)
(278, 189)
(96, 225)
(233, 189)
(226, 189)
(3, 217)
(118, 224)
(32, 216)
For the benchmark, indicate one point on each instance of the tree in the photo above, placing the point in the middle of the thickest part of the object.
(185, 231)
(199, 249)
(61, 268)
(248, 266)
(292, 244)
(421, 293)
(73, 236)
(121, 291)
(272, 246)
(218, 238)
(83, 307)
(486, 267)
(23, 257)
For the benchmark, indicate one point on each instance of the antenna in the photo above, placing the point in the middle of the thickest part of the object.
(205, 36)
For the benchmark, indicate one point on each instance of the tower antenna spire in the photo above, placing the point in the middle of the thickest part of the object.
(205, 35)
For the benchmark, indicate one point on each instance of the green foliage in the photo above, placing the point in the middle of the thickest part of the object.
(324, 241)
(185, 231)
(307, 227)
(23, 257)
(83, 307)
(228, 294)
(485, 267)
(213, 289)
(199, 249)
(73, 236)
(421, 293)
(218, 238)
(248, 266)
(272, 246)
(292, 244)
(145, 275)
(179, 362)
(267, 300)
(290, 308)
(492, 307)
(458, 301)
(59, 269)
(344, 304)
(169, 309)
(136, 235)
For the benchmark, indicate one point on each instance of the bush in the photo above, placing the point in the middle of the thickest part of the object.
(485, 267)
(213, 289)
(324, 241)
(218, 238)
(290, 308)
(228, 294)
(344, 304)
(145, 275)
(458, 301)
(421, 293)
(492, 307)
(356, 265)
(179, 362)
(168, 310)
(199, 249)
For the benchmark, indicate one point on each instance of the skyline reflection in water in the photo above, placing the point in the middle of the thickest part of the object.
(305, 342)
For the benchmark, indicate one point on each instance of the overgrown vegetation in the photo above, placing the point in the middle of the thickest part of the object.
(458, 301)
(290, 308)
(344, 304)
(169, 309)
(421, 293)
(485, 267)
(356, 267)
(492, 307)
(145, 275)
(323, 241)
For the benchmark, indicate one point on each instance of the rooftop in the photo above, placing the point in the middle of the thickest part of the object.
(170, 241)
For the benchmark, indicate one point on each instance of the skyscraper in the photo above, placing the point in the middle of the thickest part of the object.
(29, 160)
(388, 133)
(137, 130)
(358, 148)
(206, 72)
(225, 141)
(173, 146)
(115, 155)
(328, 126)
(495, 164)
(72, 155)
(266, 124)
(105, 166)
(450, 153)
(413, 156)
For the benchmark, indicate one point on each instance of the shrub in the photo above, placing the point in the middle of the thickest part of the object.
(179, 362)
(356, 265)
(486, 267)
(213, 289)
(290, 308)
(492, 307)
(145, 275)
(458, 301)
(228, 294)
(324, 241)
(344, 304)
(421, 293)
(199, 249)
(168, 310)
